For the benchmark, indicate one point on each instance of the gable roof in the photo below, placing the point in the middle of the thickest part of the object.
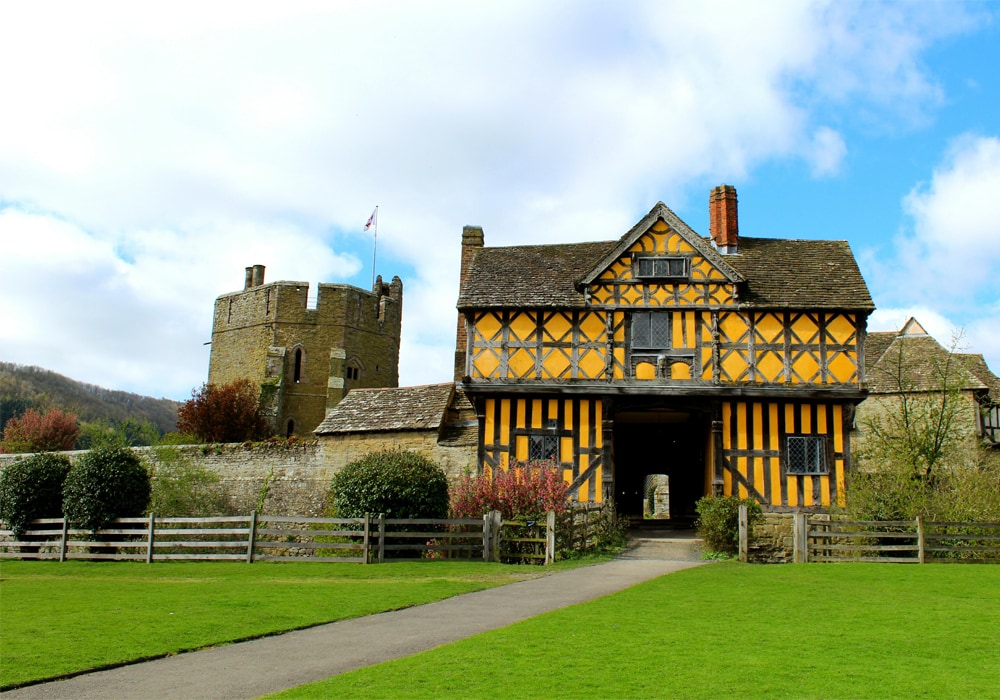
(775, 273)
(389, 409)
(915, 363)
(662, 211)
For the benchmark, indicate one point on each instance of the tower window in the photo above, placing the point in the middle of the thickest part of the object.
(298, 365)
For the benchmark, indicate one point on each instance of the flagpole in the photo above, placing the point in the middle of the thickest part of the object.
(374, 247)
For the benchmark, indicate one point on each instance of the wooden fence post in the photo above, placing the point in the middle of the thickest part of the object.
(744, 541)
(497, 531)
(487, 535)
(550, 537)
(65, 536)
(800, 537)
(920, 539)
(381, 538)
(252, 539)
(149, 539)
(364, 539)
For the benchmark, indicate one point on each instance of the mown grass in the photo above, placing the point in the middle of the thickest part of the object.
(728, 630)
(61, 618)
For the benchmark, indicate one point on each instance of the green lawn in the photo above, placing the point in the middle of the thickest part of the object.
(729, 630)
(58, 618)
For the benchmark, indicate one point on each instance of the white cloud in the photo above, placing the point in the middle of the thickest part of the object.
(177, 144)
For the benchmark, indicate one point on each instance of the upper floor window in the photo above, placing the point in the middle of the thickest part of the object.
(661, 267)
(650, 330)
(806, 455)
(298, 365)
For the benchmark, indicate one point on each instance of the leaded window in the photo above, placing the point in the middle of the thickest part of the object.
(663, 267)
(651, 330)
(806, 455)
(542, 447)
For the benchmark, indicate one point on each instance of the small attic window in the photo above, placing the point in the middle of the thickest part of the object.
(662, 268)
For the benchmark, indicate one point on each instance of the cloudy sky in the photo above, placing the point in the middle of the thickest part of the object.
(150, 152)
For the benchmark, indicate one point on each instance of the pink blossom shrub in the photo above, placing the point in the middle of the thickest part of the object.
(525, 490)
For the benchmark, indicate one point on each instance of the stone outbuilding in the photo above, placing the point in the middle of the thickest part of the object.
(434, 420)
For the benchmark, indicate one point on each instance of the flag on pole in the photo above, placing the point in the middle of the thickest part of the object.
(371, 219)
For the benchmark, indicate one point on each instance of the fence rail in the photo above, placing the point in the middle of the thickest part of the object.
(900, 541)
(372, 539)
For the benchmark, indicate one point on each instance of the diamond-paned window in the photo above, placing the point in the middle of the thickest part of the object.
(806, 455)
(543, 447)
(651, 330)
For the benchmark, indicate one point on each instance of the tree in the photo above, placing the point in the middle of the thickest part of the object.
(129, 432)
(224, 413)
(107, 483)
(34, 432)
(31, 488)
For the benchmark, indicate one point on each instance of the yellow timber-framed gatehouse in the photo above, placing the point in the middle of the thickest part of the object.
(721, 364)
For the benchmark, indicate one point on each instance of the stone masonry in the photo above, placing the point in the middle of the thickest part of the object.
(306, 356)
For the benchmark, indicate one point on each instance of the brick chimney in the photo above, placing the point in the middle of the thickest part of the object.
(472, 240)
(257, 274)
(723, 222)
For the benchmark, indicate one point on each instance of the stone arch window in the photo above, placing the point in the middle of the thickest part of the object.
(353, 369)
(290, 428)
(298, 365)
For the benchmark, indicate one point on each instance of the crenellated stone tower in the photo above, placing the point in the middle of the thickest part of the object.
(306, 354)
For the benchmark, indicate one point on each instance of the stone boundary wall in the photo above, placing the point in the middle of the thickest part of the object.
(773, 538)
(292, 478)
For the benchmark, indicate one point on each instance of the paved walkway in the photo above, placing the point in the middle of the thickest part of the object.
(251, 669)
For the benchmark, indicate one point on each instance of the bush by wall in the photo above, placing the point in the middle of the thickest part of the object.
(394, 482)
(32, 488)
(719, 521)
(182, 488)
(107, 483)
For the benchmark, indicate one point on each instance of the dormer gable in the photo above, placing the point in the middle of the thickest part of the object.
(661, 247)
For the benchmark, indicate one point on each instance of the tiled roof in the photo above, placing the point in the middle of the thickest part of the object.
(917, 363)
(391, 409)
(538, 276)
(876, 343)
(977, 365)
(786, 273)
(779, 273)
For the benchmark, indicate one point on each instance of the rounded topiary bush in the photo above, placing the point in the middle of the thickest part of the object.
(397, 483)
(107, 483)
(31, 488)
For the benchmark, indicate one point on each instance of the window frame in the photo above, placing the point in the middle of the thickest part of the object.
(821, 461)
(648, 316)
(540, 439)
(685, 262)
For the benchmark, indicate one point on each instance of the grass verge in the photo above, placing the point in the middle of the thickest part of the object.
(63, 618)
(728, 630)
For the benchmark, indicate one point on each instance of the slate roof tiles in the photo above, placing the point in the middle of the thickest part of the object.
(389, 409)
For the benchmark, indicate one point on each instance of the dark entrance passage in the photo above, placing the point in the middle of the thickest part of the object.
(659, 463)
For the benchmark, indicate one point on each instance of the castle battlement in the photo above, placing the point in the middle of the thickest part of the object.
(306, 356)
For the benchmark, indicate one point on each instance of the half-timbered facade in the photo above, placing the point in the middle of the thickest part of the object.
(726, 364)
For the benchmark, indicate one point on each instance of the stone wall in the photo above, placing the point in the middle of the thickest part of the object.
(293, 478)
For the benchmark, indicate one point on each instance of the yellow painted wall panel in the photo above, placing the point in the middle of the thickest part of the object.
(840, 329)
(521, 364)
(585, 421)
(680, 370)
(645, 370)
(522, 327)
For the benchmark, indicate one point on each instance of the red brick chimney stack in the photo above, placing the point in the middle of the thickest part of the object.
(472, 240)
(723, 221)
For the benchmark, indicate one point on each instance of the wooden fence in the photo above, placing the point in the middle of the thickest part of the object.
(372, 539)
(900, 541)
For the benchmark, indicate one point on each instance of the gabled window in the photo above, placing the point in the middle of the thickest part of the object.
(806, 455)
(650, 330)
(663, 268)
(543, 447)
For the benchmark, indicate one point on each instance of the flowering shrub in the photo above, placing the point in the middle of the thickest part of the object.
(525, 490)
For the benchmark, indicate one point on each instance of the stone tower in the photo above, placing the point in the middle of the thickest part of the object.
(306, 354)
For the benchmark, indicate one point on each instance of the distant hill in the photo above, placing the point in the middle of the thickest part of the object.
(23, 387)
